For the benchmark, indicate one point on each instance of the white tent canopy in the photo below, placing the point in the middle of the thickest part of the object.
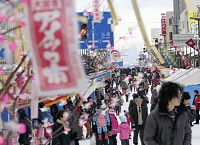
(176, 75)
(186, 77)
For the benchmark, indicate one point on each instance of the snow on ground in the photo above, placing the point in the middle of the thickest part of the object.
(195, 128)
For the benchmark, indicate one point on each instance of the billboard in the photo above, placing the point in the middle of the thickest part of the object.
(99, 33)
(193, 24)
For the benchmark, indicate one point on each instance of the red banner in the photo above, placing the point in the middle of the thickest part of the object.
(163, 24)
(181, 53)
(54, 46)
(192, 44)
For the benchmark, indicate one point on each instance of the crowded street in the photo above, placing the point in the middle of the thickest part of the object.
(99, 72)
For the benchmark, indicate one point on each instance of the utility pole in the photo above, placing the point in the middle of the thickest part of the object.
(198, 20)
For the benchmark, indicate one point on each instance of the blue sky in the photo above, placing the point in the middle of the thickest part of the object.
(151, 13)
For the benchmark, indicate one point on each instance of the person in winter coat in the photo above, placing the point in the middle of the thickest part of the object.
(101, 125)
(124, 131)
(138, 115)
(76, 129)
(24, 139)
(168, 123)
(114, 122)
(197, 105)
(61, 129)
(186, 101)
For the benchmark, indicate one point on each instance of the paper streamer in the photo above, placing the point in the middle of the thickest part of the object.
(113, 13)
(155, 52)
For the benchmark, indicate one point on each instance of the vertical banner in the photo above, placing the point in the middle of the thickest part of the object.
(97, 15)
(192, 44)
(53, 33)
(163, 24)
(181, 53)
(169, 59)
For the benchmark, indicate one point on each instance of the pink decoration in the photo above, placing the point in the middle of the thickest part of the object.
(5, 99)
(3, 18)
(2, 140)
(12, 46)
(25, 1)
(23, 23)
(2, 38)
(14, 96)
(2, 72)
(22, 128)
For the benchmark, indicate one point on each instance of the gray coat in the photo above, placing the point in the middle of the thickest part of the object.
(160, 129)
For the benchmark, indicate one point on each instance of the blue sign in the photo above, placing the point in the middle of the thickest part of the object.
(100, 31)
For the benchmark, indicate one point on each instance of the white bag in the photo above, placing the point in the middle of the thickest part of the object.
(93, 140)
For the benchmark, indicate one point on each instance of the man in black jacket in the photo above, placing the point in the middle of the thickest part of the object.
(138, 114)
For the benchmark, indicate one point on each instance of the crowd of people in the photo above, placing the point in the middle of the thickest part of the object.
(169, 121)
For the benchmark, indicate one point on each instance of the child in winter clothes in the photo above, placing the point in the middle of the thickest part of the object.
(114, 122)
(124, 130)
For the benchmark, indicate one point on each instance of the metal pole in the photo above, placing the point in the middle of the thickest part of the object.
(198, 43)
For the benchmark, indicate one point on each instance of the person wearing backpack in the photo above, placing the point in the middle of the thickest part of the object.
(101, 125)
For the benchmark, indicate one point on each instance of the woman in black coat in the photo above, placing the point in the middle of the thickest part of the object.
(24, 139)
(59, 136)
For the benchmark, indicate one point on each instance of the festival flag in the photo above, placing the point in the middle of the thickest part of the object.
(168, 58)
(192, 44)
(181, 53)
(54, 46)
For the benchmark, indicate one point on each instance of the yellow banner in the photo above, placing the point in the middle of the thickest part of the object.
(193, 24)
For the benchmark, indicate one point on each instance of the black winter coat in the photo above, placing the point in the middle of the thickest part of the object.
(60, 138)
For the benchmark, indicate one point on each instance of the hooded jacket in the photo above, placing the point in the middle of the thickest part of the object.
(160, 129)
(124, 131)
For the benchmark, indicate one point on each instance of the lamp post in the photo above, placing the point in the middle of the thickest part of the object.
(198, 20)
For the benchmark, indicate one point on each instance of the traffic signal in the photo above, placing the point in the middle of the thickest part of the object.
(144, 50)
(83, 31)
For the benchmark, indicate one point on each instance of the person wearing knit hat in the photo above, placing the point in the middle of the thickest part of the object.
(124, 131)
(123, 119)
(114, 122)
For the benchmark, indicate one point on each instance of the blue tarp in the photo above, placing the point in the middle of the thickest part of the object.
(191, 89)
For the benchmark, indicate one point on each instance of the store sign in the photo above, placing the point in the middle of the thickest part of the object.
(54, 47)
(163, 24)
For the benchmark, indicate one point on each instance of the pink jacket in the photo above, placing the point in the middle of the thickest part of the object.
(114, 123)
(124, 131)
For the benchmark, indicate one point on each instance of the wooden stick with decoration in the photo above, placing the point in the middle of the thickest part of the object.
(143, 31)
(113, 13)
(14, 107)
(12, 75)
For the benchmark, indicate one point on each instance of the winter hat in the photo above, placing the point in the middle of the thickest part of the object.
(111, 111)
(123, 119)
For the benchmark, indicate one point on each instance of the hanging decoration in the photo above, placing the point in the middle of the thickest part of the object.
(96, 12)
